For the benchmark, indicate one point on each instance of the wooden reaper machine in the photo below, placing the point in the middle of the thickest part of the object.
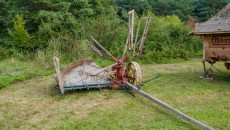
(85, 74)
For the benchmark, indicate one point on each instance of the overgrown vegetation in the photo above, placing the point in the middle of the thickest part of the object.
(60, 27)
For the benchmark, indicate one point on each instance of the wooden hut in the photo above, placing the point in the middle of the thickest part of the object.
(216, 35)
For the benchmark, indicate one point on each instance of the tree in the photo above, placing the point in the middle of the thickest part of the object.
(21, 37)
(205, 9)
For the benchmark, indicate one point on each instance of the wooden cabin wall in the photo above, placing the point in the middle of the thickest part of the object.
(217, 47)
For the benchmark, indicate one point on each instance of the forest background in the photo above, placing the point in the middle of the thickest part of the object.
(40, 29)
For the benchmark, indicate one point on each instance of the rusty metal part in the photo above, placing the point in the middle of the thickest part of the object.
(134, 75)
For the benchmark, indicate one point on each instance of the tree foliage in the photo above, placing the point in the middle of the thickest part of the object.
(20, 36)
(63, 25)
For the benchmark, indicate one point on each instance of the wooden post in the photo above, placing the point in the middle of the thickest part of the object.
(131, 28)
(167, 107)
(59, 74)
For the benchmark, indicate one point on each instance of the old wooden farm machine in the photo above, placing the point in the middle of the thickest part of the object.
(85, 74)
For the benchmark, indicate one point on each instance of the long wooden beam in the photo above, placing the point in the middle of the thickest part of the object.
(114, 59)
(166, 106)
(94, 48)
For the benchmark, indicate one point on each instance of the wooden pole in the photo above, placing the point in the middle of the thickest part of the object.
(135, 43)
(166, 106)
(103, 49)
(143, 37)
(94, 48)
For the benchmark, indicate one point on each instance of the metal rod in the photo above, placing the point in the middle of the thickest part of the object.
(166, 106)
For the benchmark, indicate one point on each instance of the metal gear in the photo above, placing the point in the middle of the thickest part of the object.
(134, 73)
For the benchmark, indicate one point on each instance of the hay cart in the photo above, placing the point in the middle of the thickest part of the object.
(85, 74)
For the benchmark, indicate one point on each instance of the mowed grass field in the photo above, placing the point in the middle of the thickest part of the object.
(36, 104)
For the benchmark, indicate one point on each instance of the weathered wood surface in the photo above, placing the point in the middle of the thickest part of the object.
(217, 48)
(94, 48)
(129, 41)
(103, 49)
(80, 74)
(75, 64)
(58, 74)
(167, 107)
(135, 43)
(220, 23)
(143, 37)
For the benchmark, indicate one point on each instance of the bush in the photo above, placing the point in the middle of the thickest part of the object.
(4, 53)
(20, 36)
(167, 39)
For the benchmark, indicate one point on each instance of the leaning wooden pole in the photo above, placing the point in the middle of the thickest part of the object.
(114, 59)
(166, 106)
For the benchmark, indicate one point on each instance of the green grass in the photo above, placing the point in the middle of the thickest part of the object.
(36, 104)
(12, 70)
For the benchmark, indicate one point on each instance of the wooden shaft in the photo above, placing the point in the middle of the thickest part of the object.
(143, 37)
(132, 26)
(135, 44)
(166, 106)
(94, 48)
(126, 45)
(146, 17)
(103, 49)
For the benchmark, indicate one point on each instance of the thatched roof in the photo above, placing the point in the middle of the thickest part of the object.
(220, 23)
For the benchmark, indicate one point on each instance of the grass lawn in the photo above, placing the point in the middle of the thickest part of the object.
(36, 104)
(12, 70)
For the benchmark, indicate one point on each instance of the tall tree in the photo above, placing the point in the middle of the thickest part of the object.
(205, 9)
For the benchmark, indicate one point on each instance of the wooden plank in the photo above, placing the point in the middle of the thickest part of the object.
(58, 74)
(135, 44)
(73, 65)
(212, 32)
(210, 23)
(167, 107)
(103, 49)
(132, 26)
(146, 17)
(143, 37)
(217, 41)
(213, 29)
(94, 48)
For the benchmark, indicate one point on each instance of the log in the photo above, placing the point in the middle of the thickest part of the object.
(167, 107)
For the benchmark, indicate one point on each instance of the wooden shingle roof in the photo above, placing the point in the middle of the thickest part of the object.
(220, 23)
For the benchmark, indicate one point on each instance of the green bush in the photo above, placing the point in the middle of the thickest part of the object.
(167, 39)
(20, 36)
(4, 53)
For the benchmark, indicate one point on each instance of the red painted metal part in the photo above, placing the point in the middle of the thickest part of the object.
(120, 74)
